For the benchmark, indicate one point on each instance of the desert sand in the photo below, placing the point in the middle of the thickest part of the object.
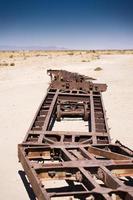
(23, 86)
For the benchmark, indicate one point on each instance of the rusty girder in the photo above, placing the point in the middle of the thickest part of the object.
(74, 164)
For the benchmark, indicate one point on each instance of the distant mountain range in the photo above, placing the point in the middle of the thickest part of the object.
(26, 48)
(49, 48)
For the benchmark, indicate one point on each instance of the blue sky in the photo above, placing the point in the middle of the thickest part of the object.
(74, 24)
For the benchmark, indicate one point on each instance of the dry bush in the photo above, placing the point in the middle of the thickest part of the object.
(85, 60)
(11, 56)
(4, 64)
(12, 64)
(98, 69)
(70, 54)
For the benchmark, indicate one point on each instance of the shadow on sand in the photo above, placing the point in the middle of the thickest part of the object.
(27, 185)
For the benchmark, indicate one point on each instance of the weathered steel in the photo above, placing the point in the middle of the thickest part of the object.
(74, 164)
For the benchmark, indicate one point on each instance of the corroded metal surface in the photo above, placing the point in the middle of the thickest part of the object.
(75, 164)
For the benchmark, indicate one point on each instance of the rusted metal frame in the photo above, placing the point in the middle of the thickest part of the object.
(129, 195)
(93, 164)
(77, 176)
(116, 148)
(124, 148)
(72, 94)
(107, 154)
(126, 164)
(92, 118)
(85, 179)
(49, 114)
(95, 148)
(62, 79)
(42, 115)
(80, 108)
(89, 178)
(34, 119)
(30, 172)
(76, 95)
(118, 161)
(89, 160)
(64, 75)
(71, 158)
(63, 138)
(73, 97)
(123, 171)
(80, 111)
(89, 195)
(87, 155)
(110, 180)
(111, 145)
(36, 114)
(75, 133)
(84, 164)
(50, 111)
(76, 154)
(99, 108)
(105, 118)
(79, 194)
(31, 125)
(79, 139)
(66, 86)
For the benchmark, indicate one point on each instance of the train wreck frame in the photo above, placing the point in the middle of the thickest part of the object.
(74, 164)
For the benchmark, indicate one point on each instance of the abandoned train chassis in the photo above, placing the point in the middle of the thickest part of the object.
(91, 165)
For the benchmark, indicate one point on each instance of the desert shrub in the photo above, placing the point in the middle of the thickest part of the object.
(12, 64)
(4, 64)
(85, 60)
(98, 69)
(11, 56)
(70, 53)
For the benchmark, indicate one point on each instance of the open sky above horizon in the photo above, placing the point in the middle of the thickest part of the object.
(73, 24)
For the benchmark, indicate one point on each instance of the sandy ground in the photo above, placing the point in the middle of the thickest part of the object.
(22, 88)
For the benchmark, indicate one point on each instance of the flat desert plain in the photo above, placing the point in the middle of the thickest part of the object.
(23, 84)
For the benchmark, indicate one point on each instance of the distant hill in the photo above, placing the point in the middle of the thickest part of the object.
(21, 48)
